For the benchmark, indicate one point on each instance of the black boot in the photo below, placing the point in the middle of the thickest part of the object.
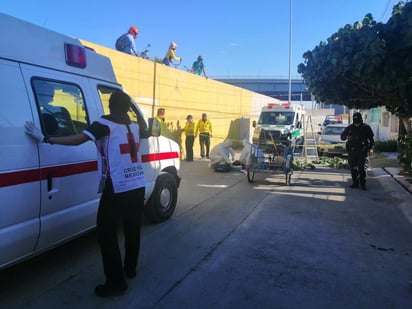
(110, 289)
(130, 272)
(354, 185)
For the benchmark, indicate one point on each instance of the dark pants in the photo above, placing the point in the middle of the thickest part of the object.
(166, 61)
(127, 207)
(189, 147)
(204, 140)
(358, 163)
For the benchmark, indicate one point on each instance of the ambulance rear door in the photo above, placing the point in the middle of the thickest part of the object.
(61, 103)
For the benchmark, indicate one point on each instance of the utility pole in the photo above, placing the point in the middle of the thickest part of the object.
(290, 53)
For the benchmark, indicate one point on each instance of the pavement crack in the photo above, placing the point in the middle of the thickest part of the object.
(381, 248)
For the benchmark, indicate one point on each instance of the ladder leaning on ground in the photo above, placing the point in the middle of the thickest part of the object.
(309, 148)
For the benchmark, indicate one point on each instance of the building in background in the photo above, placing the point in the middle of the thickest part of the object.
(384, 124)
(278, 88)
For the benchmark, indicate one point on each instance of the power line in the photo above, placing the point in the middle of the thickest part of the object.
(388, 9)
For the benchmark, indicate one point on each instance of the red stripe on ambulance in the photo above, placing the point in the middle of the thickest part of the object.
(159, 156)
(26, 176)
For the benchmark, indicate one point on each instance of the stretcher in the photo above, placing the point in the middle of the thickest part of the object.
(271, 158)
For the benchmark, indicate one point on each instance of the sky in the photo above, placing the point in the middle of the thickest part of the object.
(237, 38)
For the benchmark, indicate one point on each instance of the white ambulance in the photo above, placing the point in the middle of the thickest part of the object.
(48, 193)
(280, 121)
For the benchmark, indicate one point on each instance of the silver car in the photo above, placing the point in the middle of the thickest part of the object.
(329, 140)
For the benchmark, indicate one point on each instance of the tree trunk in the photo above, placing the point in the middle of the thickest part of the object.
(407, 124)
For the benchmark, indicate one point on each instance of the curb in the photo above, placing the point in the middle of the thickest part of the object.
(394, 173)
(398, 189)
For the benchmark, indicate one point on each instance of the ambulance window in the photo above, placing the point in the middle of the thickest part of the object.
(134, 115)
(264, 118)
(61, 106)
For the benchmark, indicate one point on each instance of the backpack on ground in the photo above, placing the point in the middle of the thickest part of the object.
(121, 42)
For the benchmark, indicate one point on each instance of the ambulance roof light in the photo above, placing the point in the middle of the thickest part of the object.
(75, 55)
(279, 105)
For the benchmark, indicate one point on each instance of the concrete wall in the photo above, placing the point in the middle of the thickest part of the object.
(152, 85)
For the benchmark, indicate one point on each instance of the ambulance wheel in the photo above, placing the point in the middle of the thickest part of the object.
(162, 202)
(250, 176)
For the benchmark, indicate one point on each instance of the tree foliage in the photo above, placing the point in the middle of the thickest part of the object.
(365, 65)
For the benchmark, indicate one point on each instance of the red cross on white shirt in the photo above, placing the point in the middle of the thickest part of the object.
(128, 148)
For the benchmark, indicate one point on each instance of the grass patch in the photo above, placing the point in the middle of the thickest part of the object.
(386, 146)
(380, 160)
(333, 162)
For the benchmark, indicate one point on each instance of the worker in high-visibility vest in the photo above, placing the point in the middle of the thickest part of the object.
(189, 130)
(161, 118)
(204, 128)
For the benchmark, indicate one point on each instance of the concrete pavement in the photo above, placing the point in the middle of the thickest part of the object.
(231, 244)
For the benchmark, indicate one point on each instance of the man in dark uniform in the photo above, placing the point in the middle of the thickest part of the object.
(122, 185)
(359, 144)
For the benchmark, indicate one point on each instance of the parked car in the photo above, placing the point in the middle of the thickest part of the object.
(329, 140)
(330, 119)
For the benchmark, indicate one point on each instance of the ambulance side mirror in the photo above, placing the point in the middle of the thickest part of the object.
(154, 127)
(254, 124)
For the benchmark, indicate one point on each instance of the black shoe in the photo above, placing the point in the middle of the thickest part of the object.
(363, 187)
(354, 185)
(110, 289)
(130, 273)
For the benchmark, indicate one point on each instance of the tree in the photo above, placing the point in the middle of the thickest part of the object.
(396, 75)
(365, 65)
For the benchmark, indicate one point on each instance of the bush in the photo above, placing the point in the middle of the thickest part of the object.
(386, 146)
(405, 156)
